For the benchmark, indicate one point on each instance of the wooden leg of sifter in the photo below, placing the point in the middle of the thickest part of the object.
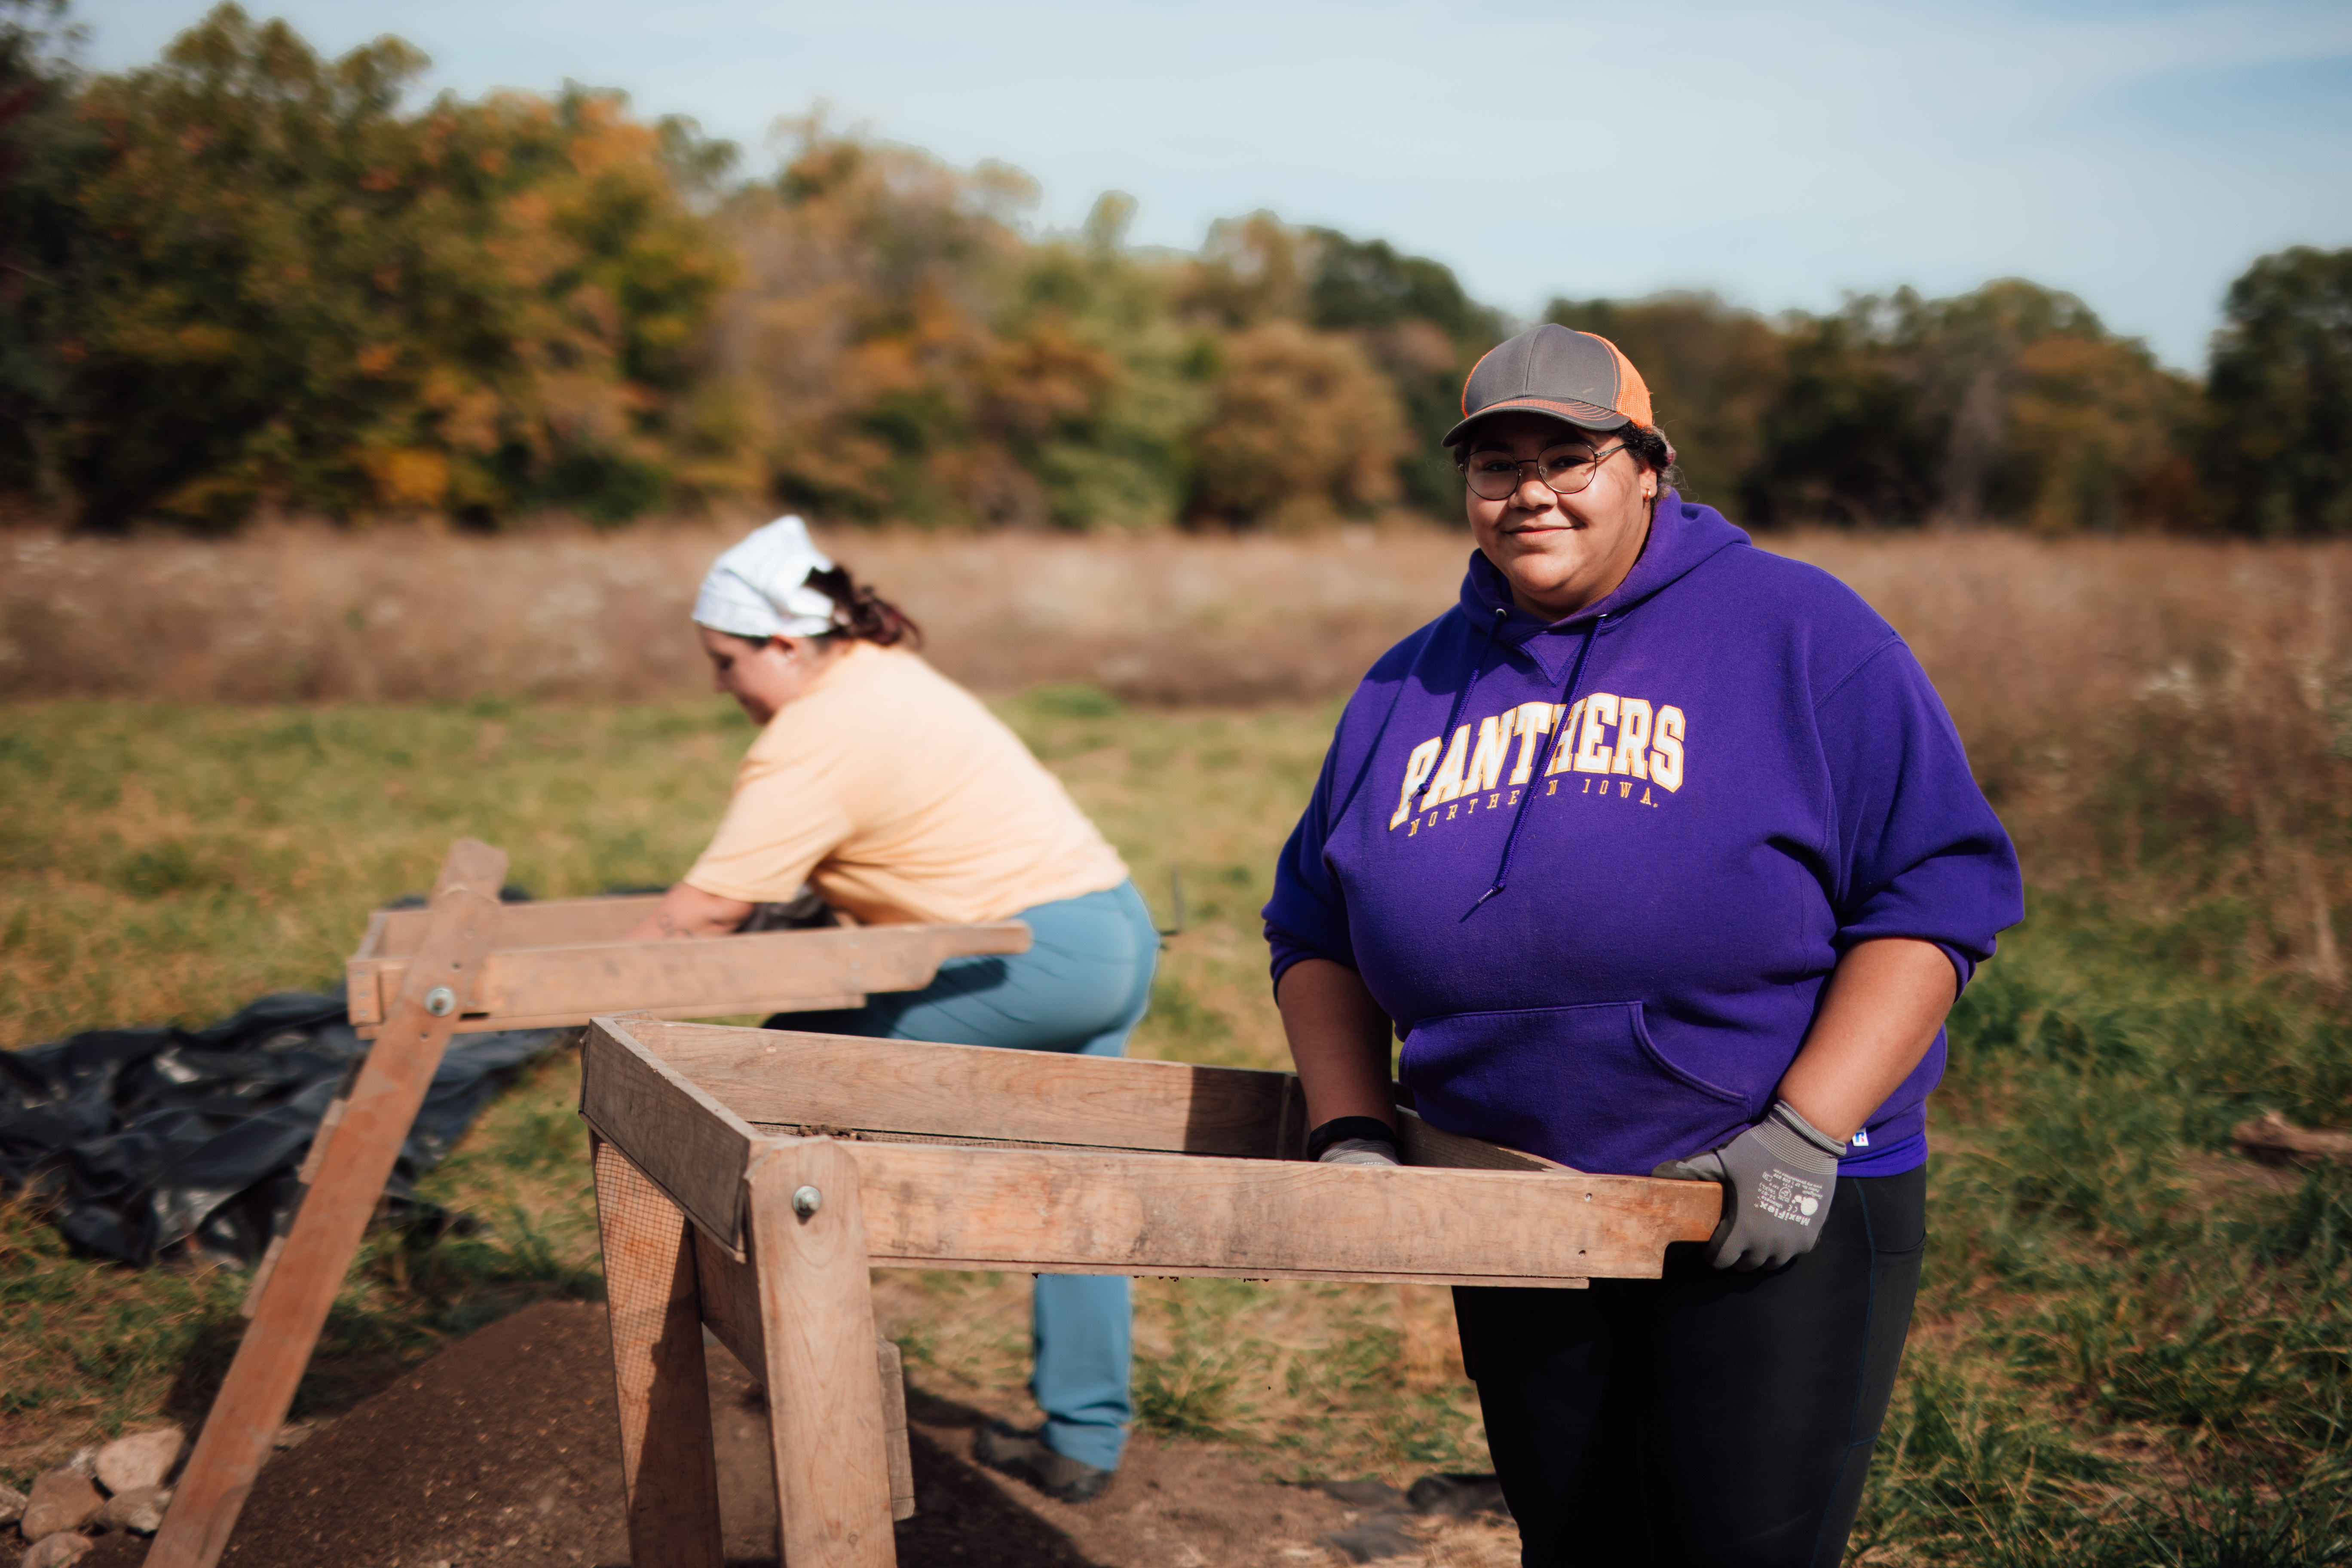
(816, 1330)
(290, 1305)
(667, 1461)
(897, 1449)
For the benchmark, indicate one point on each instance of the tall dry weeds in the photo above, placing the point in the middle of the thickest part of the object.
(2173, 717)
(398, 615)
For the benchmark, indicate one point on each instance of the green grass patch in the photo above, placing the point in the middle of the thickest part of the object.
(2132, 1345)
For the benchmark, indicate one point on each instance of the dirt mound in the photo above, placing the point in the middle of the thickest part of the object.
(502, 1449)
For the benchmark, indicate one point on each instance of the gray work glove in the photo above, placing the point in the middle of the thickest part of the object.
(1778, 1178)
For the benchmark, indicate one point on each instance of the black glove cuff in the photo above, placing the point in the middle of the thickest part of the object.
(1344, 1127)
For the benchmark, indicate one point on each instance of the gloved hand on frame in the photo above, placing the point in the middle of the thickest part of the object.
(1778, 1179)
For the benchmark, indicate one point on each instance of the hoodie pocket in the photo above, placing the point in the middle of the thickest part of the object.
(1585, 1086)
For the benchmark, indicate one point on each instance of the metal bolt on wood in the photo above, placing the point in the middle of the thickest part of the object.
(440, 1001)
(805, 1200)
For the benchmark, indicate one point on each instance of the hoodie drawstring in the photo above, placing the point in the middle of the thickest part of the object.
(1461, 698)
(1551, 754)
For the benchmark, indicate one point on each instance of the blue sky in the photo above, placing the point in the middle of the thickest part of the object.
(2139, 152)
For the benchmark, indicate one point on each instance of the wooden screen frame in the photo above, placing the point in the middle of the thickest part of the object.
(749, 1179)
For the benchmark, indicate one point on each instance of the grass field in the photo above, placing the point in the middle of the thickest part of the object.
(178, 861)
(2132, 1347)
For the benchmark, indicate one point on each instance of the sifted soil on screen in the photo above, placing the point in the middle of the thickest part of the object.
(502, 1449)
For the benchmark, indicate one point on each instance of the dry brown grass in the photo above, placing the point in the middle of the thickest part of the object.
(397, 614)
(2172, 719)
(2120, 698)
(2037, 628)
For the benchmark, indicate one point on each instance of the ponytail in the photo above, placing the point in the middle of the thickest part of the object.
(860, 614)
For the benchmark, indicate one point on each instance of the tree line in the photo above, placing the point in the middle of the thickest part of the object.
(249, 277)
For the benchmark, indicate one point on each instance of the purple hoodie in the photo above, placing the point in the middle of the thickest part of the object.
(1597, 870)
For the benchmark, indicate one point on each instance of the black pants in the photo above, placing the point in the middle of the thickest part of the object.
(1708, 1417)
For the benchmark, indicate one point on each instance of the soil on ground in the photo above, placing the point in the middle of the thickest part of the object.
(503, 1450)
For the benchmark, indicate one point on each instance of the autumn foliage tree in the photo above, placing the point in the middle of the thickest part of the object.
(2010, 402)
(1302, 420)
(297, 295)
(43, 239)
(2278, 438)
(915, 356)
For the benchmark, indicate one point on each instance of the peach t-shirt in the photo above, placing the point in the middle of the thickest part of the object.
(902, 799)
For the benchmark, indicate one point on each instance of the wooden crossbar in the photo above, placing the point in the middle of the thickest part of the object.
(562, 962)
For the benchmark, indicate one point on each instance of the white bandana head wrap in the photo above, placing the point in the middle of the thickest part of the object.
(757, 588)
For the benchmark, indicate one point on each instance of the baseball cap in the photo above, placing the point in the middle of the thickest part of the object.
(1579, 377)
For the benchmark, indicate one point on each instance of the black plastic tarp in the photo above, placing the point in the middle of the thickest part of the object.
(155, 1141)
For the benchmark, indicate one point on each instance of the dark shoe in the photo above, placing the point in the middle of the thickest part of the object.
(1459, 1496)
(1024, 1457)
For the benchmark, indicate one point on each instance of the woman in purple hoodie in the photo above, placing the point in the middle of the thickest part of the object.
(1661, 856)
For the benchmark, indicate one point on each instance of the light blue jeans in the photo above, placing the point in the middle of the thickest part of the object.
(1081, 988)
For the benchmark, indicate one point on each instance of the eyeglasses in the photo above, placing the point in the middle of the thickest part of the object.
(1566, 468)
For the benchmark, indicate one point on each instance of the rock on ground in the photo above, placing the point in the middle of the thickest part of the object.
(12, 1505)
(61, 1500)
(139, 1510)
(57, 1551)
(141, 1459)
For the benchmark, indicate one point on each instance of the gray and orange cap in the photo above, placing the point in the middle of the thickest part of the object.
(1579, 377)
